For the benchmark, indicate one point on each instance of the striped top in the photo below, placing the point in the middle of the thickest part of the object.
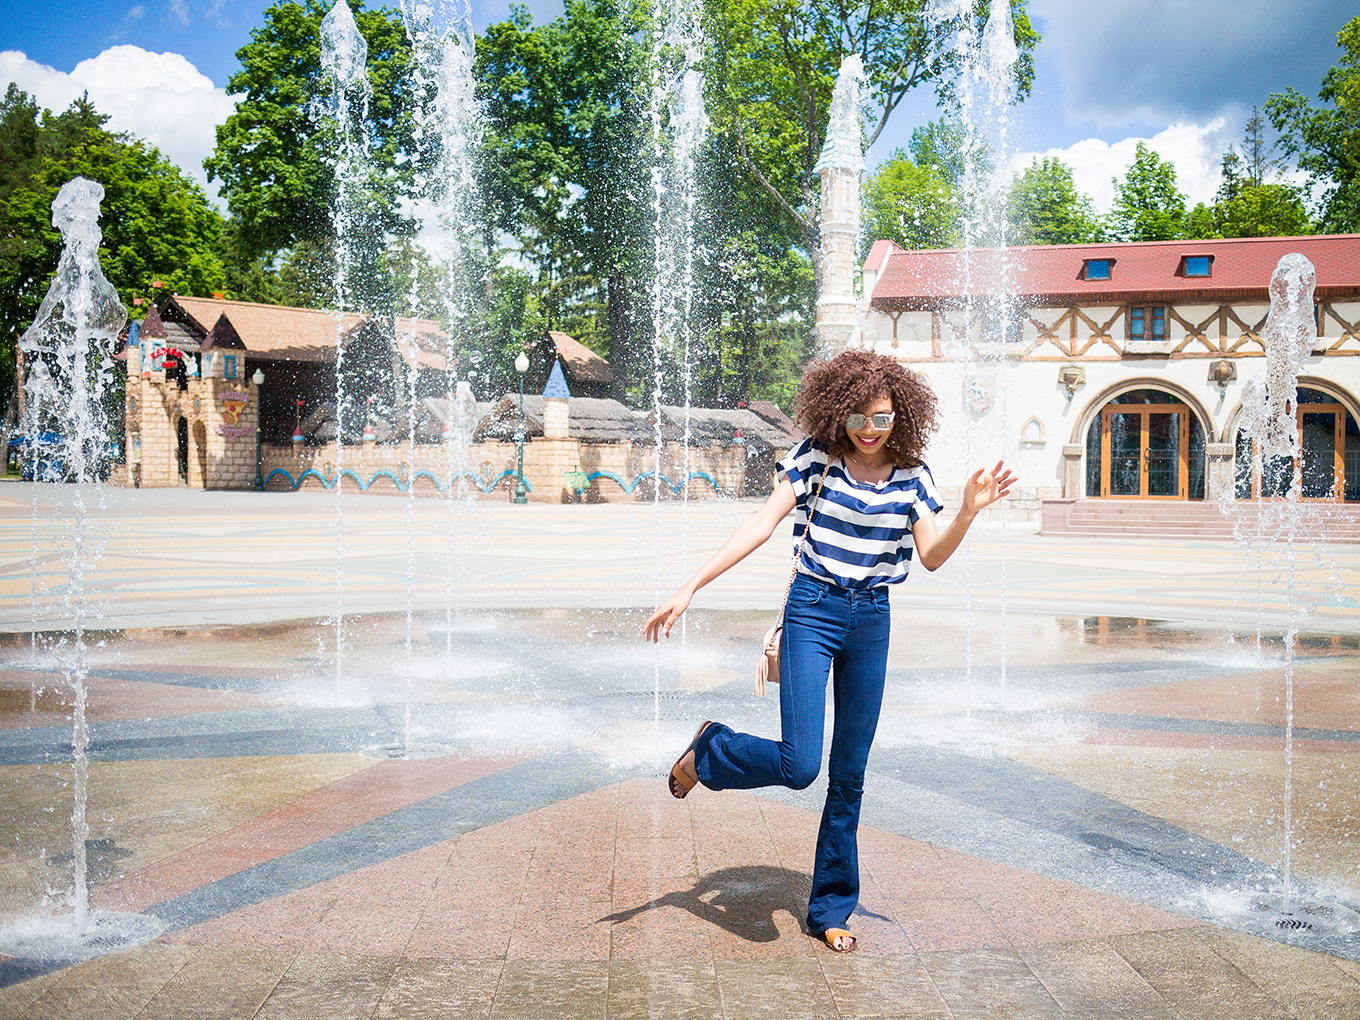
(861, 532)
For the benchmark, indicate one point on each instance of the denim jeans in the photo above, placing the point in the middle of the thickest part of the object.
(827, 629)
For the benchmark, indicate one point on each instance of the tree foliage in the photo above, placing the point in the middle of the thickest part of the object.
(275, 155)
(1148, 205)
(565, 172)
(773, 70)
(913, 205)
(157, 224)
(1249, 204)
(1325, 140)
(1043, 206)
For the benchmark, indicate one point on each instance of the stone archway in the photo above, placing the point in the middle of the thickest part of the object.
(1141, 438)
(182, 451)
(1328, 417)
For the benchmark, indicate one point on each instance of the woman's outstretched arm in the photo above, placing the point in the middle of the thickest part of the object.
(984, 488)
(750, 535)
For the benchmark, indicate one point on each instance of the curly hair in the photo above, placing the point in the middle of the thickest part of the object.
(850, 382)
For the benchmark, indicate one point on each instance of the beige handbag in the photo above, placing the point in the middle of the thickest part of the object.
(767, 669)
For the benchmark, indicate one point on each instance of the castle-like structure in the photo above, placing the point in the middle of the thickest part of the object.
(188, 419)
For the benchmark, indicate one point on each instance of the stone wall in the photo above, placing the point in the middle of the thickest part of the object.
(221, 413)
(618, 472)
(220, 417)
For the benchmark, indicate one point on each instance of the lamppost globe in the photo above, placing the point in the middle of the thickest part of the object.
(521, 491)
(258, 380)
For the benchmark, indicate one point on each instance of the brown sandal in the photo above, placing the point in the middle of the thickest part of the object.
(840, 940)
(683, 778)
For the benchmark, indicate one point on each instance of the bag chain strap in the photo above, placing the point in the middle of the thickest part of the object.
(798, 553)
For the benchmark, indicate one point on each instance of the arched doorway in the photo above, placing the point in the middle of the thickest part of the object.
(201, 455)
(1145, 444)
(182, 453)
(1329, 469)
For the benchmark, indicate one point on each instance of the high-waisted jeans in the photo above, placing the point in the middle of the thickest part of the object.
(827, 629)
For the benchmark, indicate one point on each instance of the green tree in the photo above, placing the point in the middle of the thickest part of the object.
(1325, 140)
(947, 146)
(275, 157)
(754, 308)
(566, 170)
(1148, 206)
(1247, 207)
(1044, 206)
(773, 68)
(915, 206)
(157, 224)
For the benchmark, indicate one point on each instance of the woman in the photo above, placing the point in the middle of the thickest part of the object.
(867, 420)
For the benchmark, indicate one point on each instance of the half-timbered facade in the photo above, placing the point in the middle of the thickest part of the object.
(1116, 370)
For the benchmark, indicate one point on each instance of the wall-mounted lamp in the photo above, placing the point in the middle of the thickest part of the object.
(1070, 377)
(1222, 372)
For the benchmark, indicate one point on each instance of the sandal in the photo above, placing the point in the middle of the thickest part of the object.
(840, 940)
(683, 778)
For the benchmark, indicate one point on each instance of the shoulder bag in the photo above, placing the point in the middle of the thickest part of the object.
(767, 669)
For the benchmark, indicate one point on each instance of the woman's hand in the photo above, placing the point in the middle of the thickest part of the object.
(665, 616)
(749, 536)
(985, 487)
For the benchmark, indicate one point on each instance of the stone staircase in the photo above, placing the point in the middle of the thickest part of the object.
(1202, 519)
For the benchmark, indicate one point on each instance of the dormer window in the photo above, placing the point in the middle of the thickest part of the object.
(1197, 266)
(1097, 269)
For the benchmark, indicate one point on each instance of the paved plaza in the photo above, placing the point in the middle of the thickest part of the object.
(403, 759)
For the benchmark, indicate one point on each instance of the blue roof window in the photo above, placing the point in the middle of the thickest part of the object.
(1097, 269)
(1197, 266)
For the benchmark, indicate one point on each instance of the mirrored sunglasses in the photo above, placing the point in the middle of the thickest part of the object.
(881, 421)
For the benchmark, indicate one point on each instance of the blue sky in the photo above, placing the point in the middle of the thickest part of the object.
(1182, 75)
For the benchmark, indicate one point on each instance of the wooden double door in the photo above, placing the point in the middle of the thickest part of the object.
(1145, 451)
(1322, 469)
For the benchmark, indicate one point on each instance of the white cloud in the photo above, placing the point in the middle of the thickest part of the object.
(1195, 150)
(160, 97)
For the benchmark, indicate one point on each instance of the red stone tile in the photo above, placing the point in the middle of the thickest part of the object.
(942, 924)
(356, 799)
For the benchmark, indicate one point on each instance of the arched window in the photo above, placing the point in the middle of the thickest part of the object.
(1329, 468)
(1145, 444)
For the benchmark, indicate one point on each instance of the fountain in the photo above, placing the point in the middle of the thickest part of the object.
(538, 694)
(69, 349)
(983, 339)
(449, 136)
(344, 54)
(679, 123)
(1269, 422)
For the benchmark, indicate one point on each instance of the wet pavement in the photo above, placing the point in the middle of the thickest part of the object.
(1075, 807)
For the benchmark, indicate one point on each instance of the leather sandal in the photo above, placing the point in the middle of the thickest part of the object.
(840, 940)
(683, 778)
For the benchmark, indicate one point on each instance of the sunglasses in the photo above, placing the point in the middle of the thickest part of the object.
(881, 422)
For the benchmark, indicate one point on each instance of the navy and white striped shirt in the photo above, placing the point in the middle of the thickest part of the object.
(861, 532)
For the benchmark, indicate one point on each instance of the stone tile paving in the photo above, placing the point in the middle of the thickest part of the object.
(1055, 838)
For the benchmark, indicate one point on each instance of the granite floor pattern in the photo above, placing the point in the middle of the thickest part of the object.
(1057, 842)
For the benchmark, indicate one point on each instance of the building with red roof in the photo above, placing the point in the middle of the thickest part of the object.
(1115, 371)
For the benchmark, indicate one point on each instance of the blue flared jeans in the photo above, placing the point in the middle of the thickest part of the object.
(827, 630)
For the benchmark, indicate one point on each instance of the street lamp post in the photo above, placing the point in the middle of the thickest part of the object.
(521, 493)
(258, 380)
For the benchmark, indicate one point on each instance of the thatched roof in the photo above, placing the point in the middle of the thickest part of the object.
(280, 333)
(721, 425)
(592, 420)
(581, 362)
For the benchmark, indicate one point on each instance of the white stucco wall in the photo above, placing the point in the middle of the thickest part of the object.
(1030, 387)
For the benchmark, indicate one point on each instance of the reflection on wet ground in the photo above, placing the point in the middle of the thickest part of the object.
(1136, 763)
